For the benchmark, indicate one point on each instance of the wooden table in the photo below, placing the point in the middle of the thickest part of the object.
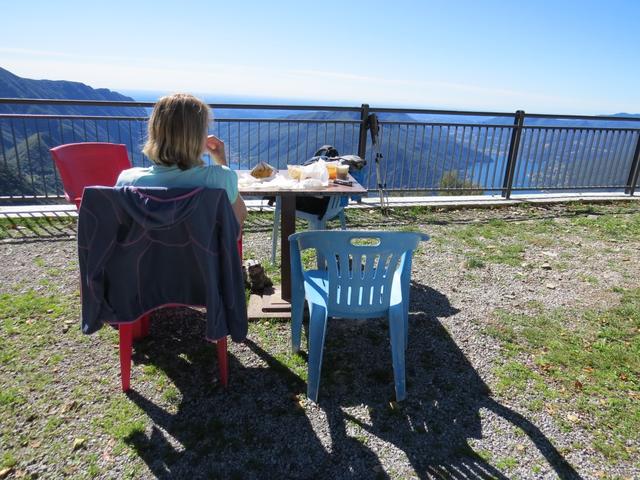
(288, 226)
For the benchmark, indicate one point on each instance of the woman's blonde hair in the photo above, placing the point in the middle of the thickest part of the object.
(177, 128)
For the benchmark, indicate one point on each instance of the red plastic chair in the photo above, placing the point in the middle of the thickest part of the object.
(97, 163)
(90, 163)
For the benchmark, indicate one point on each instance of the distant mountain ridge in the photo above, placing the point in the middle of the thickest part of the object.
(13, 86)
(26, 166)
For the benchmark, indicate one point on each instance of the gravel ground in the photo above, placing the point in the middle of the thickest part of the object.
(180, 425)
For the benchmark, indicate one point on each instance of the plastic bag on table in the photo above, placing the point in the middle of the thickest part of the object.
(318, 171)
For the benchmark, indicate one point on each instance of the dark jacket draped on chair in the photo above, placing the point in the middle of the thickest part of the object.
(143, 248)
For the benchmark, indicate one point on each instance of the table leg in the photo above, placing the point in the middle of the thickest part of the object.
(287, 227)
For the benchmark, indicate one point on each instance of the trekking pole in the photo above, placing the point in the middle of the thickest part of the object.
(374, 128)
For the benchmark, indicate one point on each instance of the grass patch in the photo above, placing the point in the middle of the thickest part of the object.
(506, 463)
(11, 397)
(616, 226)
(506, 242)
(172, 395)
(29, 312)
(593, 280)
(590, 361)
(474, 262)
(39, 262)
(122, 419)
(275, 336)
(29, 319)
(8, 460)
(498, 241)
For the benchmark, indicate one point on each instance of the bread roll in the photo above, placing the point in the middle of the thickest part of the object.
(262, 170)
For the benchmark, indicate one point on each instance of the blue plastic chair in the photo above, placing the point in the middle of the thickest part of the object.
(335, 208)
(360, 274)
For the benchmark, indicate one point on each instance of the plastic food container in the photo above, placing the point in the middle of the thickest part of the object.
(333, 171)
(343, 171)
(294, 171)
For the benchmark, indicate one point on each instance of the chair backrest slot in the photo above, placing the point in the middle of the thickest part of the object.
(365, 242)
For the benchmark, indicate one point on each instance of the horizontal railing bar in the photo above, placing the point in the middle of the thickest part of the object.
(128, 103)
(434, 189)
(583, 117)
(574, 187)
(221, 120)
(286, 120)
(498, 114)
(244, 106)
(440, 112)
(495, 125)
(555, 127)
(444, 124)
(306, 120)
(497, 189)
(52, 196)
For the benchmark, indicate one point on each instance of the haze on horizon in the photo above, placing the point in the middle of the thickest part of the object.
(543, 57)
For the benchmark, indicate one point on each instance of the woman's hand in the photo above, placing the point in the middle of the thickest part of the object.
(215, 147)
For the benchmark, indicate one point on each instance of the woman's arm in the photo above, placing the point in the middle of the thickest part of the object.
(240, 210)
(215, 147)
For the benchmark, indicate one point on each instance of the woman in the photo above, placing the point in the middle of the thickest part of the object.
(178, 130)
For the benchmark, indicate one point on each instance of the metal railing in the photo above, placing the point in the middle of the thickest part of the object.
(422, 151)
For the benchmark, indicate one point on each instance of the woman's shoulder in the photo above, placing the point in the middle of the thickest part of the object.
(219, 176)
(135, 170)
(217, 168)
(132, 173)
(217, 171)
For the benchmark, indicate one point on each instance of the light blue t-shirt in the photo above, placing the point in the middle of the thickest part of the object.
(212, 176)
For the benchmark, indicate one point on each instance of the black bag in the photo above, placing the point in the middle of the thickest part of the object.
(325, 152)
(354, 161)
(328, 151)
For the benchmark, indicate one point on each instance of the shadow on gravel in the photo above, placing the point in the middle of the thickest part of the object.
(256, 428)
(29, 229)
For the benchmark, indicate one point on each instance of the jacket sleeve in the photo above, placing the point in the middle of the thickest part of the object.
(95, 245)
(233, 293)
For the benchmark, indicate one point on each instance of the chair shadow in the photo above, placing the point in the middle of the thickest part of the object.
(256, 429)
(31, 229)
(445, 395)
(250, 430)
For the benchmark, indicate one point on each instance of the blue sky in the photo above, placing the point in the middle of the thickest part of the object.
(562, 56)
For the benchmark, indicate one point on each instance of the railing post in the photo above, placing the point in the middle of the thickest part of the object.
(362, 139)
(634, 172)
(514, 145)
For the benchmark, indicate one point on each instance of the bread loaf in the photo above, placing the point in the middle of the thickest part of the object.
(262, 170)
